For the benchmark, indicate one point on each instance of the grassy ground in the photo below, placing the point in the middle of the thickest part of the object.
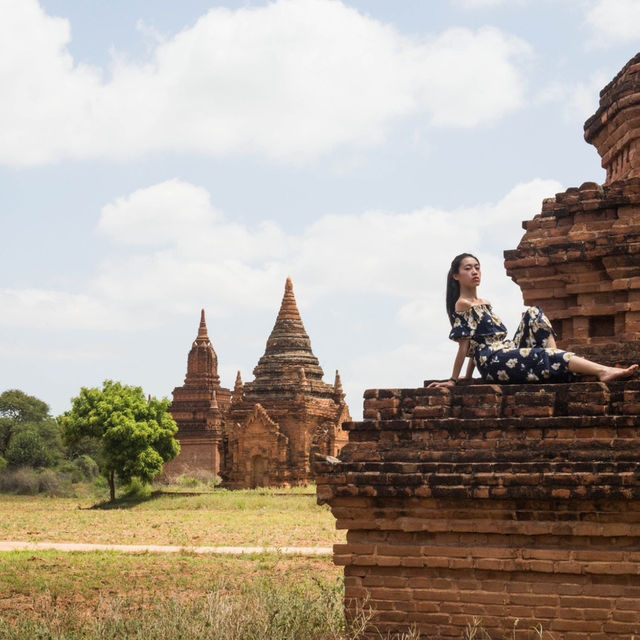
(219, 518)
(32, 582)
(94, 596)
(107, 595)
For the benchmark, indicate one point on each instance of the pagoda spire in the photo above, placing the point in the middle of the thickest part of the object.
(288, 307)
(238, 390)
(338, 392)
(202, 362)
(203, 335)
(288, 349)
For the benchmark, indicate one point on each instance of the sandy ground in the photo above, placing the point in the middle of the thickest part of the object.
(8, 545)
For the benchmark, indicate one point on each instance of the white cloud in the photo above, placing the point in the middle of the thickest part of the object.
(291, 80)
(176, 250)
(479, 4)
(577, 100)
(158, 215)
(584, 97)
(59, 310)
(615, 21)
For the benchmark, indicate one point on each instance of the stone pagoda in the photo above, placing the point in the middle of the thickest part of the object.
(580, 257)
(516, 504)
(287, 414)
(199, 407)
(265, 432)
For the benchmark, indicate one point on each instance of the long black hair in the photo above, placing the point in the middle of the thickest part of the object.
(453, 286)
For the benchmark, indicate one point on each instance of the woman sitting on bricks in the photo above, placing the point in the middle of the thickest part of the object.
(532, 355)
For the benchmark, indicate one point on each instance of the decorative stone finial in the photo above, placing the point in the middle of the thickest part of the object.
(238, 390)
(203, 336)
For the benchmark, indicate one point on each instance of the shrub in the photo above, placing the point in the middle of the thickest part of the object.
(54, 483)
(199, 479)
(29, 481)
(87, 466)
(23, 481)
(28, 448)
(136, 489)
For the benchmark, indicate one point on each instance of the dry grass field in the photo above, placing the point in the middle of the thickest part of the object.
(219, 518)
(34, 582)
(72, 596)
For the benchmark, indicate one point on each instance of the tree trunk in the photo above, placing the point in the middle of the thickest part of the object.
(112, 485)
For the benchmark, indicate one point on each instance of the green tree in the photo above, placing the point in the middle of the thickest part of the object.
(28, 433)
(135, 435)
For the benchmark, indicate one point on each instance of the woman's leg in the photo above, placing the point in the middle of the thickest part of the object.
(535, 330)
(601, 371)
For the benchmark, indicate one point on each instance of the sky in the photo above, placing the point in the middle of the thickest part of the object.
(159, 157)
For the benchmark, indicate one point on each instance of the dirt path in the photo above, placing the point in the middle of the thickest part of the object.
(156, 548)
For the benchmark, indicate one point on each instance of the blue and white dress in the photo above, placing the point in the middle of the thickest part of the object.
(526, 358)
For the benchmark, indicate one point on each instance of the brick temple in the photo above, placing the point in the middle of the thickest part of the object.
(508, 502)
(265, 432)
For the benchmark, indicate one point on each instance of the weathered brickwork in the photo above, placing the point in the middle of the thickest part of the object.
(580, 261)
(510, 502)
(502, 502)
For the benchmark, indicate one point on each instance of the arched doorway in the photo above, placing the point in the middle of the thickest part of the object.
(258, 471)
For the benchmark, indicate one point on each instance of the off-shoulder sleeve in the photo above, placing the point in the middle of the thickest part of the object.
(463, 326)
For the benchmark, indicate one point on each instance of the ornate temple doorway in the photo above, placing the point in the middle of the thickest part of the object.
(258, 471)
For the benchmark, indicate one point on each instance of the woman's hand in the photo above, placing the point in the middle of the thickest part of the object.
(446, 383)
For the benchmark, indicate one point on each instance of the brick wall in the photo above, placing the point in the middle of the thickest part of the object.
(502, 502)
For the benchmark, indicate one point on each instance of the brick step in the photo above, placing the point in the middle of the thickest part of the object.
(500, 453)
(388, 469)
(628, 490)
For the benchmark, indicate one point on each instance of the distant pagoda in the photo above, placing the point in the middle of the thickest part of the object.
(198, 407)
(265, 432)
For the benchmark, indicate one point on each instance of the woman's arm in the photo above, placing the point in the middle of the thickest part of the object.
(463, 349)
(470, 367)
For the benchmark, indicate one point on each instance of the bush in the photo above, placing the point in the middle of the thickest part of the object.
(28, 448)
(87, 466)
(54, 483)
(199, 479)
(23, 481)
(28, 481)
(137, 490)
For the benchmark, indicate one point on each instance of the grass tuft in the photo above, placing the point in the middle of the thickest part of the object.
(260, 610)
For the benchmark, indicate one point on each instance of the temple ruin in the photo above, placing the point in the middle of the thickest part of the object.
(265, 432)
(516, 502)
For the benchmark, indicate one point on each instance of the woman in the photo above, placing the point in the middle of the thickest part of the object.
(532, 356)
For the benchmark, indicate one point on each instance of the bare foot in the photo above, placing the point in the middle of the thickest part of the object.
(616, 373)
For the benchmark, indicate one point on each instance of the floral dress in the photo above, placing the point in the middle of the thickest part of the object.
(526, 358)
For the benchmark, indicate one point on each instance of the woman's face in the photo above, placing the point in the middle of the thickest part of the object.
(469, 274)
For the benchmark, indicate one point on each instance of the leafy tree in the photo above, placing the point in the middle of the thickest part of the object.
(28, 433)
(135, 435)
(19, 406)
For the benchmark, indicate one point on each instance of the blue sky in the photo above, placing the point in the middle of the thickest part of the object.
(159, 157)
